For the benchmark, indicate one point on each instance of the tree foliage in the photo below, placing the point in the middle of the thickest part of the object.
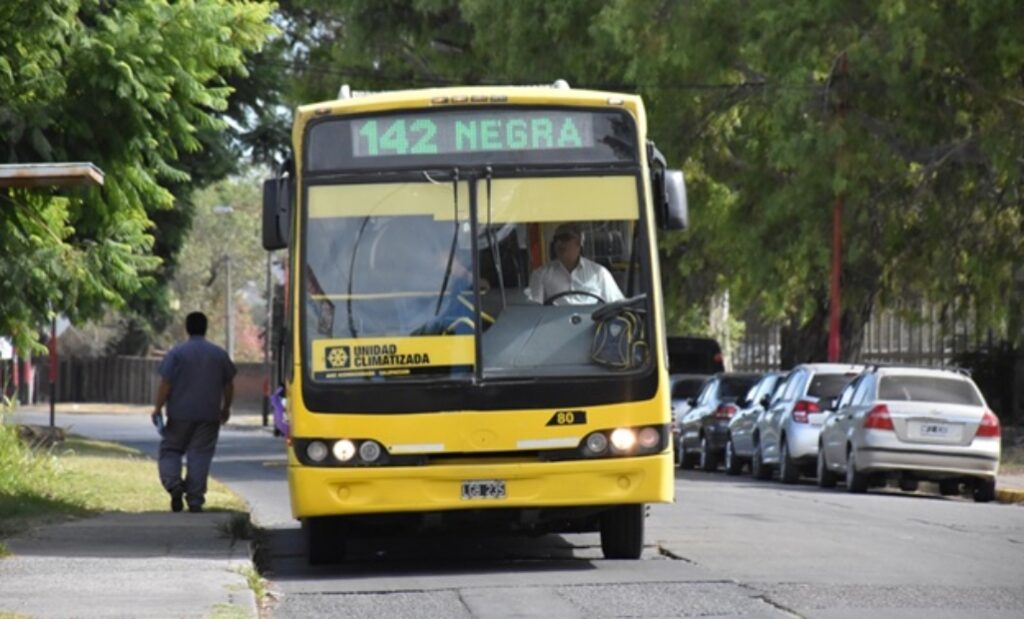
(131, 86)
(912, 112)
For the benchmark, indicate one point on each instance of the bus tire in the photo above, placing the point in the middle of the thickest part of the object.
(622, 532)
(324, 540)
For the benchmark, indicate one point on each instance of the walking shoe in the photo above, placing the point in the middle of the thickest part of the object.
(195, 509)
(176, 503)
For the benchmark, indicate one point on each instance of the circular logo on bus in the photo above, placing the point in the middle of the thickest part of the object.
(338, 357)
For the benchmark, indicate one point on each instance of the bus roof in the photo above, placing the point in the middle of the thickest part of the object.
(472, 96)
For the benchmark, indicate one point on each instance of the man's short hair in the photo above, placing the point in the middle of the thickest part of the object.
(195, 323)
(566, 231)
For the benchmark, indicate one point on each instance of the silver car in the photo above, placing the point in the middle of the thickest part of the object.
(911, 424)
(787, 432)
(684, 388)
(739, 445)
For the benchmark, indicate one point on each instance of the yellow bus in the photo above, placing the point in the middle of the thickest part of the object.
(474, 333)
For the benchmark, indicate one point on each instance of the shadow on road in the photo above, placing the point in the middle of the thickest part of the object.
(280, 555)
(927, 491)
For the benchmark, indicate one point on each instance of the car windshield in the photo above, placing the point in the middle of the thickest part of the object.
(687, 388)
(928, 389)
(825, 386)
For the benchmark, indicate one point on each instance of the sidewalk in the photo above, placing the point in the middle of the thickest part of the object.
(1010, 488)
(156, 564)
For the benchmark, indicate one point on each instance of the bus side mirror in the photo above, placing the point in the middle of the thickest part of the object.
(277, 195)
(676, 215)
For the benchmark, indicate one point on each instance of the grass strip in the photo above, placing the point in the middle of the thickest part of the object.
(80, 477)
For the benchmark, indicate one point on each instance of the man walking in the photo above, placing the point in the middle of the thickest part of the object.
(197, 387)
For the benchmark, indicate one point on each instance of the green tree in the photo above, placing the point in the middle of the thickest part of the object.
(921, 133)
(228, 209)
(132, 86)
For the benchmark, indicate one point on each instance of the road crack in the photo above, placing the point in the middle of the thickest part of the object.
(763, 597)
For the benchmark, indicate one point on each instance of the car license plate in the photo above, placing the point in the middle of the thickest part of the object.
(935, 431)
(483, 489)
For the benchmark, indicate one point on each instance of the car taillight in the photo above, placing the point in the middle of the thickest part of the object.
(989, 425)
(803, 408)
(878, 418)
(725, 411)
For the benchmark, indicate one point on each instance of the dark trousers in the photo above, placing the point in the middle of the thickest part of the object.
(196, 440)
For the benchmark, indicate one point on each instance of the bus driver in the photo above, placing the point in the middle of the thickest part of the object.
(570, 271)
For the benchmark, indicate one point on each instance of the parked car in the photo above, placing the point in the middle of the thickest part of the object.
(705, 426)
(911, 424)
(787, 432)
(739, 444)
(684, 388)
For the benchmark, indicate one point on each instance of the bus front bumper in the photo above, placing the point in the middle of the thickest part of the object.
(322, 491)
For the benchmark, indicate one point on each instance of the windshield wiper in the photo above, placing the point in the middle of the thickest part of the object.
(455, 243)
(492, 239)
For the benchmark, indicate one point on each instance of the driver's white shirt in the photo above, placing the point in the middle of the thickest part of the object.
(588, 276)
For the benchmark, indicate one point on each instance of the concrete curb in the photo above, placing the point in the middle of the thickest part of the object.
(1009, 495)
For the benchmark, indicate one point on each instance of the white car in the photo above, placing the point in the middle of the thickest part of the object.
(786, 434)
(911, 424)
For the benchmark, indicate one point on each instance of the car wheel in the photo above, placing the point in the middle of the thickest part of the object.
(733, 466)
(758, 468)
(622, 532)
(984, 490)
(856, 482)
(908, 485)
(789, 471)
(325, 540)
(949, 487)
(708, 460)
(826, 478)
(686, 459)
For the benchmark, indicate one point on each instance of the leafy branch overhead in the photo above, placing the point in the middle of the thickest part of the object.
(131, 86)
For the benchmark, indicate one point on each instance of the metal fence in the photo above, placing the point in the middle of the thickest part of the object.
(918, 335)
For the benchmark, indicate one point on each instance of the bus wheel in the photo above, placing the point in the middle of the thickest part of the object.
(622, 532)
(324, 539)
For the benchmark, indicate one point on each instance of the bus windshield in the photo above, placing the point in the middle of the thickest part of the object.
(398, 283)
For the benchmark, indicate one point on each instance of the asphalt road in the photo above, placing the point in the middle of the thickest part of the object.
(727, 547)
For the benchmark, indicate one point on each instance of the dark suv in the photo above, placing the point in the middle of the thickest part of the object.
(704, 429)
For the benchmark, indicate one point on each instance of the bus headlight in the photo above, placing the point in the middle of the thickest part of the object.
(623, 439)
(648, 438)
(369, 451)
(344, 450)
(316, 451)
(596, 444)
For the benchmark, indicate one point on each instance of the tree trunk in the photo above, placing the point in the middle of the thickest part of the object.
(808, 342)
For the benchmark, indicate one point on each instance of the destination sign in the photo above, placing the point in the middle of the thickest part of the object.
(467, 136)
(494, 131)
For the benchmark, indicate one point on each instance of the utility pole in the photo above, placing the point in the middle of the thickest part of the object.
(229, 309)
(835, 298)
(229, 301)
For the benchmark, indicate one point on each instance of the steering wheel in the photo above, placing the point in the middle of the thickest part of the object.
(551, 300)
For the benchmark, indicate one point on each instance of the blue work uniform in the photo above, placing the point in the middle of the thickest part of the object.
(198, 372)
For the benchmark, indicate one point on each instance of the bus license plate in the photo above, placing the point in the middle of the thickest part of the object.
(483, 489)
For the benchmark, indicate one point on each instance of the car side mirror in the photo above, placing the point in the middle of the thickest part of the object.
(691, 402)
(765, 401)
(277, 193)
